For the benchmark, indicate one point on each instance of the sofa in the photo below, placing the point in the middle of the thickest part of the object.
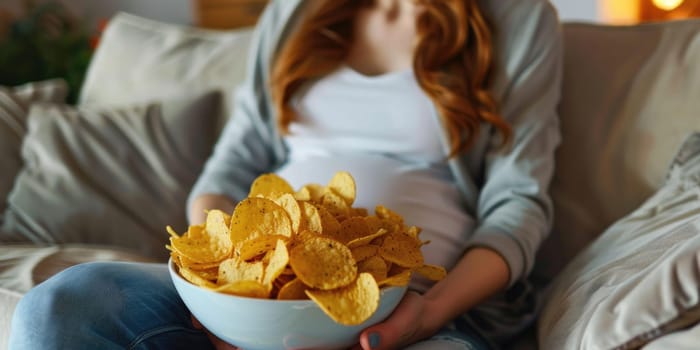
(621, 269)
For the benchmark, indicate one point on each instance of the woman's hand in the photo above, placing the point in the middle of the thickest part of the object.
(218, 343)
(409, 323)
(480, 273)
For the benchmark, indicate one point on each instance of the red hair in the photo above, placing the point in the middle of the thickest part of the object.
(452, 62)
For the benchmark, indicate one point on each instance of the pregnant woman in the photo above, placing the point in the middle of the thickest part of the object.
(443, 110)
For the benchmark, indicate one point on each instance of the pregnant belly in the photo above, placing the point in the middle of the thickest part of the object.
(425, 197)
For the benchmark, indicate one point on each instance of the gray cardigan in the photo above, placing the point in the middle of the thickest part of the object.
(505, 190)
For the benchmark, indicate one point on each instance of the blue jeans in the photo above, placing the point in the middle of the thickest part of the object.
(129, 306)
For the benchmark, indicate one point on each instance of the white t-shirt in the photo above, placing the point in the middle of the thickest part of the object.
(384, 131)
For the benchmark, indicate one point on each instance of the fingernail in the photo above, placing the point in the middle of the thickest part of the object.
(374, 340)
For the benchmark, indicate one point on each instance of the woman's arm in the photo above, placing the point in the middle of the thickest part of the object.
(479, 274)
(200, 205)
(250, 143)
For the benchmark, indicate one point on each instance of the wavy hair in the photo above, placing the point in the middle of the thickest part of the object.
(452, 62)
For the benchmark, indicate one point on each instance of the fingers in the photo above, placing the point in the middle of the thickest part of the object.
(195, 323)
(218, 343)
(399, 329)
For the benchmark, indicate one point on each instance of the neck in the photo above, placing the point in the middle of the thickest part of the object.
(385, 37)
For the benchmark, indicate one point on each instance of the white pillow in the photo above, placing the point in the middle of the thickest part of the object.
(639, 280)
(141, 60)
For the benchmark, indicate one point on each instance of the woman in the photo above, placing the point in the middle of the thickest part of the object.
(443, 111)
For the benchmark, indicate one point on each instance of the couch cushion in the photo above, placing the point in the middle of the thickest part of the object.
(14, 108)
(111, 176)
(639, 280)
(629, 97)
(139, 59)
(8, 302)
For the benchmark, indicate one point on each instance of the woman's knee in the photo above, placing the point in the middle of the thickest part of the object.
(74, 288)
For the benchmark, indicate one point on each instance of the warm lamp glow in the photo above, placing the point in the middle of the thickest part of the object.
(619, 11)
(667, 5)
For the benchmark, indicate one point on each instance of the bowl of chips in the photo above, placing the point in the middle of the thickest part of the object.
(297, 269)
(267, 324)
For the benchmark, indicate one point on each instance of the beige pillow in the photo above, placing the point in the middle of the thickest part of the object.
(140, 59)
(629, 96)
(14, 108)
(110, 176)
(639, 280)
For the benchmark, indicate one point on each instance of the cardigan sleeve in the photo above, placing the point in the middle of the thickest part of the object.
(249, 144)
(514, 211)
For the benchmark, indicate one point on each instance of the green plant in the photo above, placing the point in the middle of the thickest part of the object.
(47, 42)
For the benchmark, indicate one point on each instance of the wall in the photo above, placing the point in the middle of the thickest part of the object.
(578, 10)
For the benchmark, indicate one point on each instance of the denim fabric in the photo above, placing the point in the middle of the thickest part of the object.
(105, 306)
(108, 305)
(452, 340)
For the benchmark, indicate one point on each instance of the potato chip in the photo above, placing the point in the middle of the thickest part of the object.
(303, 236)
(195, 278)
(401, 249)
(294, 290)
(359, 212)
(350, 229)
(387, 214)
(257, 217)
(201, 247)
(193, 265)
(374, 223)
(282, 280)
(217, 223)
(343, 184)
(232, 270)
(350, 305)
(269, 186)
(363, 252)
(210, 274)
(400, 279)
(366, 239)
(291, 205)
(251, 289)
(413, 231)
(278, 261)
(431, 272)
(335, 204)
(310, 218)
(323, 263)
(253, 247)
(329, 224)
(315, 191)
(303, 195)
(375, 266)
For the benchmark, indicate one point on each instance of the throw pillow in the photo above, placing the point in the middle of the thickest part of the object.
(638, 280)
(14, 107)
(110, 176)
(144, 59)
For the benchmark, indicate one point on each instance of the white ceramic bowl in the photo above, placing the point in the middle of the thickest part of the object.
(265, 324)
